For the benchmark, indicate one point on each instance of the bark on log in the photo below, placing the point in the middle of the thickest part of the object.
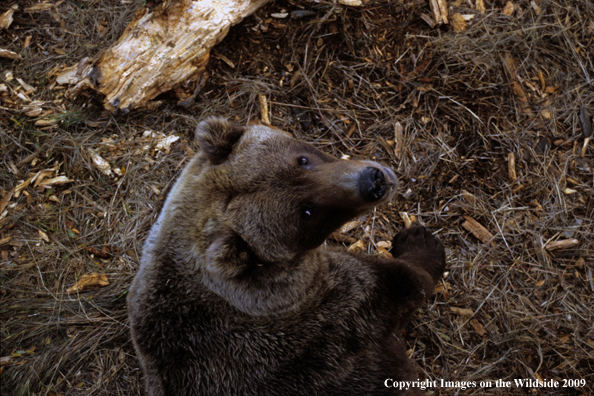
(165, 48)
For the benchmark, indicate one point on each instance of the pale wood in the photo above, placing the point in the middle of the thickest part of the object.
(439, 8)
(351, 225)
(88, 282)
(165, 48)
(398, 140)
(586, 142)
(7, 18)
(357, 247)
(511, 166)
(478, 231)
(462, 311)
(264, 109)
(480, 6)
(562, 244)
(4, 53)
(406, 218)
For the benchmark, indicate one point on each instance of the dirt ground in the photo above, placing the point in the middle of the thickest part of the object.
(484, 121)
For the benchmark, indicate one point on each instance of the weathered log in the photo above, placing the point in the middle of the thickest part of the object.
(165, 48)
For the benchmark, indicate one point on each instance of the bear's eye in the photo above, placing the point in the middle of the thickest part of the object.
(307, 213)
(302, 161)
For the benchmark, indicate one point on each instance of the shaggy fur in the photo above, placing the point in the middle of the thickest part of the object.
(235, 296)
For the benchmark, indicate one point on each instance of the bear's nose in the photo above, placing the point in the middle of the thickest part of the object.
(372, 184)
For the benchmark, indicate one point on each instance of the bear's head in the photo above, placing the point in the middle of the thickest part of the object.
(271, 198)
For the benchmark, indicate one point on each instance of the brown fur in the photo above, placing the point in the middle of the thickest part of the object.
(235, 296)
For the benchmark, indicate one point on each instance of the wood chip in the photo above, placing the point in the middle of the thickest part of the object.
(5, 200)
(28, 89)
(357, 247)
(21, 186)
(7, 18)
(458, 23)
(264, 109)
(224, 59)
(480, 330)
(509, 8)
(384, 244)
(478, 231)
(43, 236)
(439, 8)
(562, 244)
(511, 166)
(351, 225)
(100, 163)
(427, 18)
(586, 122)
(586, 142)
(480, 6)
(398, 140)
(46, 122)
(536, 7)
(9, 55)
(88, 282)
(406, 218)
(55, 181)
(462, 311)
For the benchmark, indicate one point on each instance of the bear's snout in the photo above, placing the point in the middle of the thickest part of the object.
(375, 182)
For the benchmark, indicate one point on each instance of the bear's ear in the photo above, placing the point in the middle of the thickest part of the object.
(216, 136)
(228, 256)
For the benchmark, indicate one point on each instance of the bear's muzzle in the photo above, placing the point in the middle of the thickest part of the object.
(376, 182)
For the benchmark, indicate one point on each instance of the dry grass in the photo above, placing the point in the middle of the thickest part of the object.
(347, 76)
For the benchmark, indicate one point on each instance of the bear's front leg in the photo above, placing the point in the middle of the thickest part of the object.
(418, 247)
(406, 281)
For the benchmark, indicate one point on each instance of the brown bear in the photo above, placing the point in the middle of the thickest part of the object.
(235, 294)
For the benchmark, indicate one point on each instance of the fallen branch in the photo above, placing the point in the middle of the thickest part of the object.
(165, 48)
